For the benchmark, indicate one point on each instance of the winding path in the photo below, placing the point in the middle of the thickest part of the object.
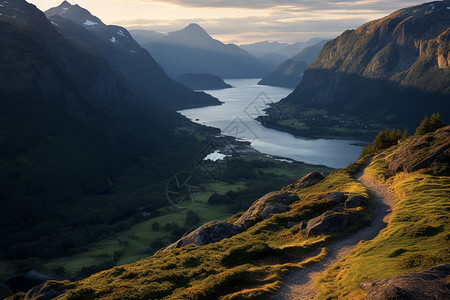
(300, 284)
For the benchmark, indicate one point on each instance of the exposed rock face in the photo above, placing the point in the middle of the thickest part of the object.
(332, 221)
(306, 181)
(272, 203)
(211, 232)
(393, 70)
(356, 201)
(422, 152)
(432, 283)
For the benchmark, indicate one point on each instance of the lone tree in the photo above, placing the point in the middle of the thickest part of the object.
(430, 124)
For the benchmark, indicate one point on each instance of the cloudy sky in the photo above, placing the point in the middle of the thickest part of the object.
(241, 21)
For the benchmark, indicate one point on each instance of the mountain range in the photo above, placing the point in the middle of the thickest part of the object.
(132, 63)
(193, 50)
(388, 72)
(285, 49)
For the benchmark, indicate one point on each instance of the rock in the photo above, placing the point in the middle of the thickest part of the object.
(356, 201)
(39, 277)
(211, 232)
(292, 224)
(306, 181)
(422, 152)
(273, 209)
(335, 197)
(432, 283)
(331, 221)
(271, 203)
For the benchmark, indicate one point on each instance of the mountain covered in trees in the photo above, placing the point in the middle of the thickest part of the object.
(77, 138)
(193, 50)
(389, 71)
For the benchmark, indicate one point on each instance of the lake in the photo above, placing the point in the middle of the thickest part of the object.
(245, 102)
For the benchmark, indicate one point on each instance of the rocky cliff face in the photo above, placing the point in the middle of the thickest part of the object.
(391, 71)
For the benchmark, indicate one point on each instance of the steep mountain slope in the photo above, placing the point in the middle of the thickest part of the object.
(132, 63)
(70, 128)
(389, 71)
(290, 72)
(193, 50)
(247, 256)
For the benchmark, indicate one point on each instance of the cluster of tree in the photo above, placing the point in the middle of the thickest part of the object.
(430, 124)
(384, 139)
(390, 137)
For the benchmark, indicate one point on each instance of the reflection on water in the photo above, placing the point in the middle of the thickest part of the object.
(246, 101)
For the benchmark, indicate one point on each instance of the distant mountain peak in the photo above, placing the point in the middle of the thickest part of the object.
(196, 29)
(76, 13)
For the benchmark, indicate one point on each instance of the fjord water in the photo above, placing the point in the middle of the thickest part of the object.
(246, 101)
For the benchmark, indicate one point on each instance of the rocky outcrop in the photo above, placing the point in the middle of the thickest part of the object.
(422, 152)
(355, 201)
(272, 203)
(332, 221)
(211, 232)
(432, 283)
(306, 181)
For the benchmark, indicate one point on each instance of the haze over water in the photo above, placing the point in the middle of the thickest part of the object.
(246, 101)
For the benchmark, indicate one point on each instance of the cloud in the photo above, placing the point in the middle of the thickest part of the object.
(305, 4)
(282, 20)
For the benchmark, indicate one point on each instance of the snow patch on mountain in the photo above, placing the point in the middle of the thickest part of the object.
(90, 23)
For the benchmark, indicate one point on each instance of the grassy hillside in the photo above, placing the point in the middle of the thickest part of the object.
(416, 236)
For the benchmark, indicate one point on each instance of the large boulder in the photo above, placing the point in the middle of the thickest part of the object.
(306, 181)
(208, 233)
(332, 221)
(271, 203)
(355, 201)
(431, 283)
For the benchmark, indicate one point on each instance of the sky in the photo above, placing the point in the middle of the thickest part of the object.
(241, 21)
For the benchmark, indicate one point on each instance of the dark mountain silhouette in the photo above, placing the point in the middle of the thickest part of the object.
(131, 62)
(203, 82)
(71, 127)
(290, 73)
(193, 50)
(389, 71)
